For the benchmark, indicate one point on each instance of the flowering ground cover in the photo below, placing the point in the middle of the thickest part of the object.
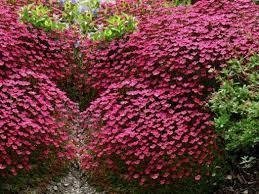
(132, 91)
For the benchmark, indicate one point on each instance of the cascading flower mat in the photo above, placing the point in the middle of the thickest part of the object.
(150, 123)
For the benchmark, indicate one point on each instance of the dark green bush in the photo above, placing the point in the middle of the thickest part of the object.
(236, 104)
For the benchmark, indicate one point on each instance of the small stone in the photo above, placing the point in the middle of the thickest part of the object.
(66, 184)
(229, 177)
(251, 182)
(55, 188)
(245, 192)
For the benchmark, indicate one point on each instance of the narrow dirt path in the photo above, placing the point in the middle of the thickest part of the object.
(73, 183)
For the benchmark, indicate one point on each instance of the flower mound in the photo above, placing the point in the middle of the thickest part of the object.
(178, 42)
(35, 118)
(150, 123)
(155, 137)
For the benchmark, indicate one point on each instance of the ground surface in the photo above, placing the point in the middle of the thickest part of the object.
(73, 183)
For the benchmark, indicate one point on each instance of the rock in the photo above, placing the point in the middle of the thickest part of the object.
(229, 177)
(55, 188)
(66, 184)
(245, 192)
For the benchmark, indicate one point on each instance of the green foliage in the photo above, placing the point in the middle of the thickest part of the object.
(117, 26)
(181, 2)
(70, 12)
(39, 16)
(81, 14)
(84, 13)
(236, 104)
(178, 2)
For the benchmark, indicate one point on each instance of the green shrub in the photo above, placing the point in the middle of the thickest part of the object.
(236, 104)
(39, 16)
(177, 3)
(181, 2)
(81, 14)
(117, 26)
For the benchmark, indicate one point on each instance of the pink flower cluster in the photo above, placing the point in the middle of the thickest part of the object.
(159, 134)
(150, 123)
(136, 8)
(36, 118)
(177, 43)
(25, 46)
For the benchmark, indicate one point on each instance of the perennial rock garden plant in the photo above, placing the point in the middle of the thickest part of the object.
(145, 96)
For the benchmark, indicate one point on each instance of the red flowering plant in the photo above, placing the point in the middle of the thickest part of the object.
(133, 7)
(159, 135)
(176, 44)
(55, 53)
(150, 122)
(35, 117)
(25, 46)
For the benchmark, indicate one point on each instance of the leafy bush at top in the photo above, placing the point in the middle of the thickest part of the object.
(116, 28)
(82, 14)
(79, 15)
(39, 16)
(236, 104)
(179, 2)
(150, 123)
(92, 19)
